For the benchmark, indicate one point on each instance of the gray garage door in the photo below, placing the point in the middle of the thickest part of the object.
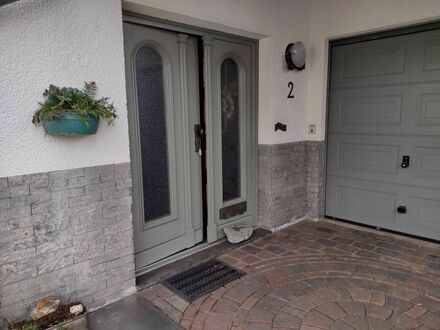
(384, 106)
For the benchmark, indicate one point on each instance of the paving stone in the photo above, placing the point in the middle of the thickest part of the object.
(430, 320)
(361, 295)
(270, 303)
(330, 295)
(225, 305)
(317, 319)
(397, 303)
(340, 325)
(302, 303)
(185, 324)
(352, 308)
(404, 293)
(258, 315)
(332, 310)
(314, 298)
(177, 302)
(241, 292)
(176, 316)
(378, 298)
(207, 304)
(163, 305)
(378, 312)
(403, 321)
(378, 324)
(288, 321)
(415, 311)
(294, 311)
(250, 302)
(219, 321)
(199, 320)
(258, 326)
(356, 322)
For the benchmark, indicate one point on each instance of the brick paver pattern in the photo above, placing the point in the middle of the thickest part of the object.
(319, 275)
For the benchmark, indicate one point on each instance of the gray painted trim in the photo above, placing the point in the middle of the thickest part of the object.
(327, 106)
(189, 231)
(212, 227)
(152, 21)
(386, 33)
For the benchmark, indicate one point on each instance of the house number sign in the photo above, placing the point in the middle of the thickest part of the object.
(290, 86)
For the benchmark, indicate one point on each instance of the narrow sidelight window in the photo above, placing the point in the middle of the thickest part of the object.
(153, 132)
(230, 124)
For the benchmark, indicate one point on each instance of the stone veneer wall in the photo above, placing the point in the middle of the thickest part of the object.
(315, 179)
(66, 233)
(290, 182)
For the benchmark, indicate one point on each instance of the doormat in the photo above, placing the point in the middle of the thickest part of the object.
(202, 279)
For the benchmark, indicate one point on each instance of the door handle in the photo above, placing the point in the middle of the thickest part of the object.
(401, 209)
(199, 133)
(405, 162)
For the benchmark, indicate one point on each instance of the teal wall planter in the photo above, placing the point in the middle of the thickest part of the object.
(71, 124)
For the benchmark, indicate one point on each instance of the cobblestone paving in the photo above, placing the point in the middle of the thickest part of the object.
(319, 275)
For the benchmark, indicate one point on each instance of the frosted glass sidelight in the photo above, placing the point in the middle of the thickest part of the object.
(153, 133)
(230, 123)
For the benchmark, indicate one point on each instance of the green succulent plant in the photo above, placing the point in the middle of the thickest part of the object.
(68, 99)
(32, 326)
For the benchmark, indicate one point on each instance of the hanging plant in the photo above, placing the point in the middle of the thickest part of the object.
(71, 111)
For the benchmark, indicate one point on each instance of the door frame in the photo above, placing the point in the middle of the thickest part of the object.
(358, 38)
(213, 234)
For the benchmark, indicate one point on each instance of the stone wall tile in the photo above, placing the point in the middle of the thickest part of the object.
(55, 240)
(290, 182)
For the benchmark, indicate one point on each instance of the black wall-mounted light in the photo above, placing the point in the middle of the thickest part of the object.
(295, 56)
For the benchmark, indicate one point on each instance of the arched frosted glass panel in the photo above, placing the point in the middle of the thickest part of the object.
(230, 129)
(153, 133)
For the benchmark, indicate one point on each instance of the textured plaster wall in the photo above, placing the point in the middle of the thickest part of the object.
(342, 18)
(66, 42)
(275, 24)
(63, 43)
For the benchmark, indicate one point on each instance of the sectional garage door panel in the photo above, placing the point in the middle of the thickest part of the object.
(403, 109)
(362, 201)
(379, 157)
(405, 59)
(375, 203)
(423, 212)
(385, 104)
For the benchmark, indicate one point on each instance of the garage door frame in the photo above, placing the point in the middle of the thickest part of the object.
(387, 33)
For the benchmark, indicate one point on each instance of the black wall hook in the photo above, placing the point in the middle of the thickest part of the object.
(280, 126)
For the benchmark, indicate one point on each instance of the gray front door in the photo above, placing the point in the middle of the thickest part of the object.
(229, 76)
(385, 105)
(163, 107)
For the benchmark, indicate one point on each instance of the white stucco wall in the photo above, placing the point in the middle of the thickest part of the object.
(275, 24)
(332, 19)
(59, 42)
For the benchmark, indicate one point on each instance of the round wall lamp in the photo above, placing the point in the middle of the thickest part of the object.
(296, 56)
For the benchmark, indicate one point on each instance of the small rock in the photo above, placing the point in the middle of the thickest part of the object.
(76, 309)
(238, 233)
(45, 306)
